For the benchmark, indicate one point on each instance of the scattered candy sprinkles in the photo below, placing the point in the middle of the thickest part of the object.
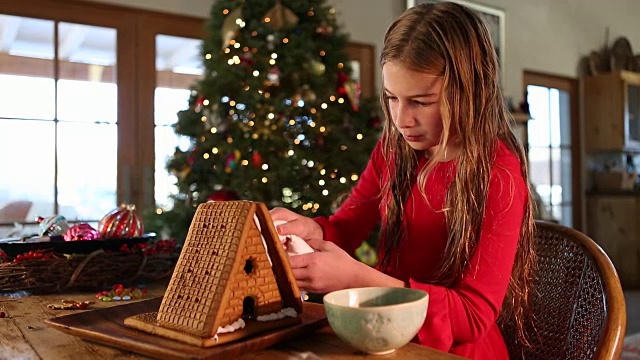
(121, 293)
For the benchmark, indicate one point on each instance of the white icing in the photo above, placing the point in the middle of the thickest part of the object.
(238, 324)
(294, 245)
(264, 243)
(279, 315)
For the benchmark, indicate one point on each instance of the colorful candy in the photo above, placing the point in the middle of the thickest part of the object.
(120, 293)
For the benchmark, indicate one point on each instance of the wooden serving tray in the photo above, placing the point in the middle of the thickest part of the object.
(106, 326)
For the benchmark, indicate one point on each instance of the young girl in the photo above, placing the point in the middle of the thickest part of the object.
(448, 182)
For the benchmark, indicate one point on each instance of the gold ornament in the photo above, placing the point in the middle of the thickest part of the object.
(308, 95)
(230, 26)
(212, 119)
(297, 96)
(303, 93)
(280, 16)
(324, 29)
(181, 174)
(316, 67)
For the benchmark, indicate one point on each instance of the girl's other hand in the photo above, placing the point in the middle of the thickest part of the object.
(327, 269)
(295, 224)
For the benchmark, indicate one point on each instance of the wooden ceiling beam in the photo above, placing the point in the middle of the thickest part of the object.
(72, 41)
(9, 26)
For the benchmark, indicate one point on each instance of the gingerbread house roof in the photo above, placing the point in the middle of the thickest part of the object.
(201, 285)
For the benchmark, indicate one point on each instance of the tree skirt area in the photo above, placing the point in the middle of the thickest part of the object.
(631, 347)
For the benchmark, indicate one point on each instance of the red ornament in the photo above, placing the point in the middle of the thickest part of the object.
(223, 195)
(247, 58)
(342, 78)
(122, 222)
(199, 103)
(192, 157)
(350, 89)
(375, 122)
(257, 159)
(81, 232)
(273, 77)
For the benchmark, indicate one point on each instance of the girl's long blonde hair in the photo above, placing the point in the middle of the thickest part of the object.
(450, 41)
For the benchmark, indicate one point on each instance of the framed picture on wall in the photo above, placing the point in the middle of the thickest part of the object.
(494, 18)
(362, 59)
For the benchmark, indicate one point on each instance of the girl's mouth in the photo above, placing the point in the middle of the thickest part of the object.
(413, 138)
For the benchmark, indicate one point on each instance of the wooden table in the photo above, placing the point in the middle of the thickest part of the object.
(24, 335)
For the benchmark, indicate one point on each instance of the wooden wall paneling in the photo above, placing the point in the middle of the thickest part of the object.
(612, 223)
(604, 103)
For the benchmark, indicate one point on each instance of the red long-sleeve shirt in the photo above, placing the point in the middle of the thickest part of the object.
(462, 318)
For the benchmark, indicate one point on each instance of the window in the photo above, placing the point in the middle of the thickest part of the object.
(554, 160)
(550, 151)
(79, 86)
(178, 67)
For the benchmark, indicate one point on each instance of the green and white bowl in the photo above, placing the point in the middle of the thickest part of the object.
(376, 320)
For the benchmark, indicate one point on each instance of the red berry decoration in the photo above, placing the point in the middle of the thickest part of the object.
(34, 255)
(122, 222)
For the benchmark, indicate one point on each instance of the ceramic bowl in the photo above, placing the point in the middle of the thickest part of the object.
(376, 320)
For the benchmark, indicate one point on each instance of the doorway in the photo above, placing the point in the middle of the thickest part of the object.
(553, 146)
(248, 308)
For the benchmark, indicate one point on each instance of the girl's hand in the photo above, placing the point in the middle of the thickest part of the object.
(327, 269)
(295, 224)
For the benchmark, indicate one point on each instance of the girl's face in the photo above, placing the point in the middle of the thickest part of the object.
(414, 102)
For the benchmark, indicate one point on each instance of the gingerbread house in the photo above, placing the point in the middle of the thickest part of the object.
(232, 279)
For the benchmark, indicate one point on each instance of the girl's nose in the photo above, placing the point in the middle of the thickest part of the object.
(404, 116)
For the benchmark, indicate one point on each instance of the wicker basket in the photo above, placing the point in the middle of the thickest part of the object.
(94, 271)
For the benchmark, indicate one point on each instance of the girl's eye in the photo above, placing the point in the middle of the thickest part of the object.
(391, 98)
(421, 103)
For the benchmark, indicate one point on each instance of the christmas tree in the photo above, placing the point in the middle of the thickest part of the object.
(277, 117)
